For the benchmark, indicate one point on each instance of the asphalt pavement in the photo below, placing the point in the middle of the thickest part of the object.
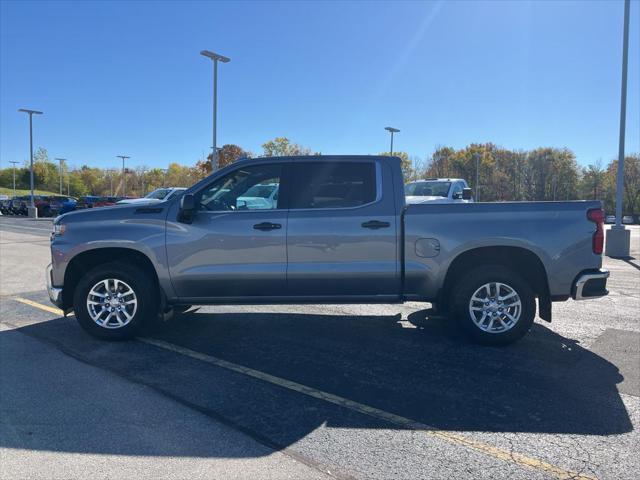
(368, 391)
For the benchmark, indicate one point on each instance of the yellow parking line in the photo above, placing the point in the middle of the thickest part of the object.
(451, 437)
(31, 303)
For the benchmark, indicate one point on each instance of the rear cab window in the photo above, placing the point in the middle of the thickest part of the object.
(336, 184)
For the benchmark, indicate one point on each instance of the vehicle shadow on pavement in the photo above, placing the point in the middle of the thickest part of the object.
(420, 368)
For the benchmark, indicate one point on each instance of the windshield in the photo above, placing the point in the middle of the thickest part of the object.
(262, 191)
(428, 189)
(159, 194)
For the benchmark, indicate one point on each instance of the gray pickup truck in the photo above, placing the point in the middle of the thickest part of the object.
(334, 229)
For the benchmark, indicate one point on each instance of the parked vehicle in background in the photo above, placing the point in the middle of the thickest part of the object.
(341, 232)
(158, 195)
(5, 202)
(60, 204)
(92, 201)
(438, 190)
(259, 197)
(610, 219)
(20, 204)
(627, 219)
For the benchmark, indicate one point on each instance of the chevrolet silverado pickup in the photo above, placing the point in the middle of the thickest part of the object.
(338, 230)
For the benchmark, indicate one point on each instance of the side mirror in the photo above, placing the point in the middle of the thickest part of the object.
(467, 194)
(187, 208)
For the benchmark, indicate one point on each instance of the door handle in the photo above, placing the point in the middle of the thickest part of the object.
(265, 226)
(375, 224)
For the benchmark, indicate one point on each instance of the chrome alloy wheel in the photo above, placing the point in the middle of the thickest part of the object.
(112, 303)
(495, 307)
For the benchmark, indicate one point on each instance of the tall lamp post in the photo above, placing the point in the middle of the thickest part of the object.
(618, 237)
(33, 212)
(14, 176)
(124, 177)
(61, 160)
(215, 58)
(391, 130)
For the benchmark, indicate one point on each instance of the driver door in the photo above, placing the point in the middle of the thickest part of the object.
(236, 245)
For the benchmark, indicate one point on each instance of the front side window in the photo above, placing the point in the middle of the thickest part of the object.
(248, 188)
(333, 184)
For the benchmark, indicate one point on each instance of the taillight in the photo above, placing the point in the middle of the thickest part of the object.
(596, 215)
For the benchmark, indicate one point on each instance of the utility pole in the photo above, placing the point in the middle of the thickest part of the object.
(618, 237)
(477, 199)
(391, 130)
(61, 160)
(33, 212)
(215, 58)
(14, 177)
(124, 177)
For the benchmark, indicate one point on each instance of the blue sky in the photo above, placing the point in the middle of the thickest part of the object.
(127, 78)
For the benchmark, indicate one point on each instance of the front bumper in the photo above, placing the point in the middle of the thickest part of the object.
(590, 284)
(55, 293)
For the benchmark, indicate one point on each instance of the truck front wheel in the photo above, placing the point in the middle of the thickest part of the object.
(494, 305)
(112, 301)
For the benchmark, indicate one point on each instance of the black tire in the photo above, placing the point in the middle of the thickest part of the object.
(142, 284)
(466, 287)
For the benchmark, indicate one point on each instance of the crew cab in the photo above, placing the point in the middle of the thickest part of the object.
(340, 231)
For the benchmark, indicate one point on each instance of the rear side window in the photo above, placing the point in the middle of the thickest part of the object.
(332, 184)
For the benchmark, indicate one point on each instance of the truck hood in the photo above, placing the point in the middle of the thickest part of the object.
(138, 201)
(414, 200)
(98, 213)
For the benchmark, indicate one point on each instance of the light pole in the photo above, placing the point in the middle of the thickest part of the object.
(61, 160)
(618, 237)
(124, 177)
(215, 58)
(32, 208)
(477, 199)
(391, 130)
(14, 177)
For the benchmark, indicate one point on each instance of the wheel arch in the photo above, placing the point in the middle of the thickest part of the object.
(84, 261)
(529, 266)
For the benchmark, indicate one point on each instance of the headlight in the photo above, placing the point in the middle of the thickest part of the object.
(58, 229)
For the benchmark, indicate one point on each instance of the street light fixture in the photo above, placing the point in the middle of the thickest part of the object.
(392, 131)
(32, 208)
(14, 176)
(61, 160)
(215, 58)
(124, 177)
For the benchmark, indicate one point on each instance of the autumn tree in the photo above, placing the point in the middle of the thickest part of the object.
(228, 154)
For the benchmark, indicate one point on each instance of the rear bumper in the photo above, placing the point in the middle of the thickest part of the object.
(55, 293)
(590, 284)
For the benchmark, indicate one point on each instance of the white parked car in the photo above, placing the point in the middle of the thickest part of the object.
(627, 219)
(158, 195)
(610, 219)
(438, 190)
(259, 197)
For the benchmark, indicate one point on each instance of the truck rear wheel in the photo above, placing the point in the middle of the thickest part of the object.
(494, 305)
(113, 301)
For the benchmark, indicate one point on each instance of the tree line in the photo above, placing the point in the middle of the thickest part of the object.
(496, 173)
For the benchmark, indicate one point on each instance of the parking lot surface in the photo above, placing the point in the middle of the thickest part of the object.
(367, 391)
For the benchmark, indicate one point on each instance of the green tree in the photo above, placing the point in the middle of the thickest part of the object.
(282, 146)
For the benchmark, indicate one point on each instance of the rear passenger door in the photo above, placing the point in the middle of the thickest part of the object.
(342, 231)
